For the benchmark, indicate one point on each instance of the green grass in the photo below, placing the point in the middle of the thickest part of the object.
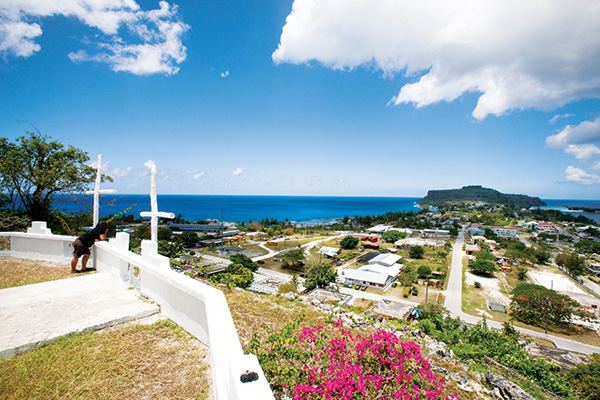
(129, 362)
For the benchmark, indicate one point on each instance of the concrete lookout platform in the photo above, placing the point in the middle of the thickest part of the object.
(42, 313)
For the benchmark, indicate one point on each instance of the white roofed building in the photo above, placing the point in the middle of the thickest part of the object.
(379, 273)
(379, 228)
(329, 251)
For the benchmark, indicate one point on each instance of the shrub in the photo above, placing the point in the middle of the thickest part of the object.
(477, 285)
(349, 242)
(406, 291)
(310, 365)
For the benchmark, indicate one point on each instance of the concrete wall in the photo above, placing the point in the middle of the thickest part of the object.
(198, 308)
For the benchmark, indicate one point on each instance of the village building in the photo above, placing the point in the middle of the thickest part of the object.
(408, 243)
(379, 273)
(546, 227)
(329, 252)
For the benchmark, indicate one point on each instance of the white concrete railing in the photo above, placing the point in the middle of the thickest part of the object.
(198, 308)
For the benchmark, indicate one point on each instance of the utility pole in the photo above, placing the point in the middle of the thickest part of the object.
(547, 312)
(222, 231)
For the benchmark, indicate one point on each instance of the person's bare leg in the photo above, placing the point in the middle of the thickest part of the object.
(74, 264)
(84, 261)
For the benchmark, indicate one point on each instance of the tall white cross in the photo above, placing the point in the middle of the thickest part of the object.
(154, 214)
(97, 192)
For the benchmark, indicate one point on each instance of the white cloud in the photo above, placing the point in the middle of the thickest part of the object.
(224, 74)
(559, 117)
(158, 32)
(583, 152)
(196, 174)
(577, 175)
(120, 172)
(516, 54)
(238, 171)
(585, 132)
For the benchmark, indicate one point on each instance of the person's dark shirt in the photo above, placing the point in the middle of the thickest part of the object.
(88, 239)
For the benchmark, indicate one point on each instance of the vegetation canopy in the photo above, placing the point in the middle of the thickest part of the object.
(34, 169)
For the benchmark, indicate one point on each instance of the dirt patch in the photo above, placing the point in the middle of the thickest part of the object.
(19, 272)
(490, 286)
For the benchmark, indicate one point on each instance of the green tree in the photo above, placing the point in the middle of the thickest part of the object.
(34, 169)
(424, 271)
(187, 238)
(483, 267)
(588, 246)
(349, 242)
(234, 274)
(143, 232)
(584, 380)
(244, 261)
(534, 304)
(320, 275)
(416, 252)
(169, 249)
(393, 236)
(165, 233)
(294, 257)
(572, 262)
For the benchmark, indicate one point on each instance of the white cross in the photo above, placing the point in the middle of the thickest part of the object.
(154, 214)
(97, 192)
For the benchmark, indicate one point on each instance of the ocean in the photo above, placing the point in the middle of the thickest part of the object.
(563, 205)
(308, 210)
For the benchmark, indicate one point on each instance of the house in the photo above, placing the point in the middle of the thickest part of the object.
(379, 273)
(546, 227)
(379, 229)
(369, 245)
(435, 234)
(329, 252)
(406, 244)
(476, 232)
(594, 268)
(471, 248)
(503, 231)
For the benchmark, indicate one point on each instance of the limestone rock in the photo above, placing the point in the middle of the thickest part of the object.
(506, 388)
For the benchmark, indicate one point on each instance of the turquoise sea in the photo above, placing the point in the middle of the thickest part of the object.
(300, 209)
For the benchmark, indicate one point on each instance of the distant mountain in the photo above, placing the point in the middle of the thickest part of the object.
(479, 193)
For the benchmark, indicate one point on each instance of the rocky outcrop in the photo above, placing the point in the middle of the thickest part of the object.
(505, 389)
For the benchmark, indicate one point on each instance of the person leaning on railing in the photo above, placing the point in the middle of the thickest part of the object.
(81, 246)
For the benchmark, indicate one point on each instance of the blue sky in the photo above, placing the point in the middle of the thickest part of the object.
(313, 97)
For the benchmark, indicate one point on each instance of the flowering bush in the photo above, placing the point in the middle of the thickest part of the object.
(310, 365)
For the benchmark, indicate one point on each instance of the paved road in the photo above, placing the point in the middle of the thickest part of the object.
(454, 305)
(373, 296)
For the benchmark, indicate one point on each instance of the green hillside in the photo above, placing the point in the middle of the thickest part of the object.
(478, 193)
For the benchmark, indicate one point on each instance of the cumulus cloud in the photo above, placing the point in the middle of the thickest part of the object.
(152, 43)
(585, 132)
(583, 152)
(121, 172)
(517, 54)
(577, 175)
(224, 74)
(238, 171)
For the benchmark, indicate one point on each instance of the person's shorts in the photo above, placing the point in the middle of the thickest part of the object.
(79, 248)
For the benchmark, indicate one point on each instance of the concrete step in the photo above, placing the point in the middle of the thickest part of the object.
(38, 314)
